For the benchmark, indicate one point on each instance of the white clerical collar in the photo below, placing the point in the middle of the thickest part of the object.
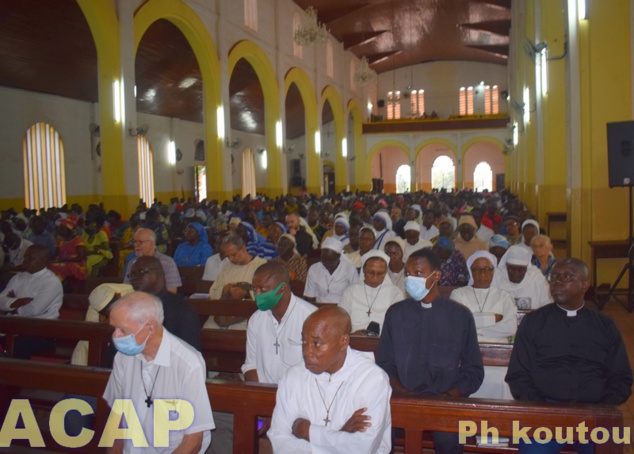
(571, 313)
(425, 305)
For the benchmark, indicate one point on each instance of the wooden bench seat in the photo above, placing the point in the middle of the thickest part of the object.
(247, 401)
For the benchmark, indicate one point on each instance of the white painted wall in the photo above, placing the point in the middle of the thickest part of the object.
(441, 81)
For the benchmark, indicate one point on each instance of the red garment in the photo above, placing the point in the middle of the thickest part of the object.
(491, 221)
(68, 249)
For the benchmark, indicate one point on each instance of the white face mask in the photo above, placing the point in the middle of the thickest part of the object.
(416, 286)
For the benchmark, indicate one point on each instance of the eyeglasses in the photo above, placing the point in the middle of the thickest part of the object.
(141, 241)
(141, 272)
(486, 270)
(566, 277)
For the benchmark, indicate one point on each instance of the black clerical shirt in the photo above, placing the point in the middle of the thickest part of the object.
(181, 319)
(431, 350)
(569, 359)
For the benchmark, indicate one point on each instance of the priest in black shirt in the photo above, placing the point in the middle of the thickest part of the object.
(182, 320)
(567, 352)
(429, 344)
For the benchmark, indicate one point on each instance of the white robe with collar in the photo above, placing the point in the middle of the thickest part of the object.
(360, 383)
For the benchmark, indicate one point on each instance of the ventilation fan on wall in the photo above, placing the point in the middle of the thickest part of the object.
(139, 131)
(234, 143)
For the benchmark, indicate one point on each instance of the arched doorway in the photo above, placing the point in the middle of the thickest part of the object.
(403, 178)
(443, 173)
(295, 145)
(384, 165)
(427, 155)
(483, 150)
(483, 177)
(328, 148)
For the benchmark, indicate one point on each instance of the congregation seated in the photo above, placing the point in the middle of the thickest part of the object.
(36, 292)
(70, 260)
(234, 280)
(337, 399)
(467, 242)
(495, 316)
(525, 283)
(331, 276)
(367, 238)
(196, 249)
(453, 267)
(367, 301)
(40, 234)
(145, 244)
(97, 245)
(290, 258)
(543, 257)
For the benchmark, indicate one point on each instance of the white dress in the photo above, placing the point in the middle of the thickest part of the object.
(359, 299)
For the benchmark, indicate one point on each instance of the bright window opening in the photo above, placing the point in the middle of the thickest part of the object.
(403, 179)
(146, 169)
(443, 173)
(483, 177)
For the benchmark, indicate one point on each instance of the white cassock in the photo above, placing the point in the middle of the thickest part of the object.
(326, 287)
(366, 304)
(273, 347)
(360, 383)
(484, 303)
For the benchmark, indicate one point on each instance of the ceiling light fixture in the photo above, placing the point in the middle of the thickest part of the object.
(311, 32)
(364, 74)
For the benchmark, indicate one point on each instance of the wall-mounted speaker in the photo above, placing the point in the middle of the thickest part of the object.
(381, 103)
(621, 153)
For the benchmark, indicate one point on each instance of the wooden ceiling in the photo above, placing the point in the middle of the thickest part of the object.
(391, 34)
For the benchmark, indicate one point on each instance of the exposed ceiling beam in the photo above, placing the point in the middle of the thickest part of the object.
(499, 27)
(380, 56)
(354, 39)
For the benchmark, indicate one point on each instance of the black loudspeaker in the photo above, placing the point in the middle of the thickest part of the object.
(380, 103)
(621, 153)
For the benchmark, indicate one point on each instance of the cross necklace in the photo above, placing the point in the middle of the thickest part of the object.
(277, 335)
(368, 299)
(328, 407)
(148, 397)
(485, 298)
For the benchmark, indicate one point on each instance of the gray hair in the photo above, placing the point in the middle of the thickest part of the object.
(142, 307)
(151, 234)
(235, 240)
(541, 236)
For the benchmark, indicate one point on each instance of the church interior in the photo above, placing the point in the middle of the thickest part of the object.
(211, 99)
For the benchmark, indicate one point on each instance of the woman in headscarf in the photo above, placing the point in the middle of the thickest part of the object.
(467, 241)
(495, 317)
(396, 268)
(382, 223)
(453, 266)
(498, 245)
(341, 229)
(98, 252)
(196, 249)
(493, 309)
(290, 258)
(530, 228)
(526, 284)
(367, 301)
(512, 228)
(71, 252)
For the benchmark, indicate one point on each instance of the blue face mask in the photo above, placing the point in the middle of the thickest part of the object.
(416, 286)
(127, 344)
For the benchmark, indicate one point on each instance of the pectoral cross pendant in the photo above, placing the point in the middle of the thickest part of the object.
(277, 346)
(326, 420)
(369, 312)
(148, 401)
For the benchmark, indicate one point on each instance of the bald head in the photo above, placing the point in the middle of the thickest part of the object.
(332, 317)
(274, 270)
(325, 339)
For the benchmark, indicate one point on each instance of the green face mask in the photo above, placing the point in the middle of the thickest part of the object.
(268, 300)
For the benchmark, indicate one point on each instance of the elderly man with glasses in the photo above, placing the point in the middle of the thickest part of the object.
(567, 352)
(145, 245)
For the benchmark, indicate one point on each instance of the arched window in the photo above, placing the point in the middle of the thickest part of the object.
(146, 169)
(330, 71)
(297, 49)
(44, 178)
(251, 14)
(483, 177)
(443, 173)
(248, 173)
(403, 178)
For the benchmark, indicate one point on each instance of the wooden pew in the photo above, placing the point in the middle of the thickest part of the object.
(248, 401)
(71, 331)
